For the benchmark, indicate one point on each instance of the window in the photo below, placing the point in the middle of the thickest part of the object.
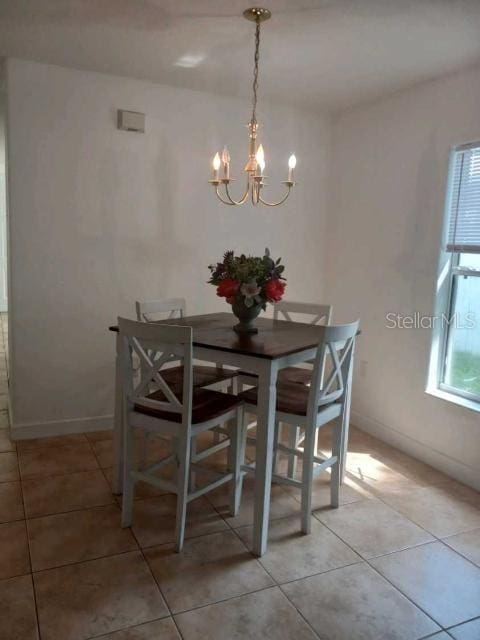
(455, 362)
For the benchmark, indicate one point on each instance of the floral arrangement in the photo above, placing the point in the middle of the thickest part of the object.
(249, 280)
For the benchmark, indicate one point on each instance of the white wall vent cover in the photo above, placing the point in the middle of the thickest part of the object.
(131, 121)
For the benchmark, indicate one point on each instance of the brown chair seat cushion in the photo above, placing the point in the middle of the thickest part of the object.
(206, 405)
(295, 374)
(291, 397)
(203, 376)
(289, 374)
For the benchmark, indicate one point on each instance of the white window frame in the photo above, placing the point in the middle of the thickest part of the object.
(448, 270)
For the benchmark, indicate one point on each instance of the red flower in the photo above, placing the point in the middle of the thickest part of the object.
(227, 288)
(274, 290)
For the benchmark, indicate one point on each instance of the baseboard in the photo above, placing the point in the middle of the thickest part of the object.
(450, 466)
(60, 427)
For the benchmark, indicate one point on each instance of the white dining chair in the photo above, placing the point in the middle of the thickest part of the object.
(167, 308)
(311, 313)
(170, 309)
(204, 375)
(312, 407)
(152, 404)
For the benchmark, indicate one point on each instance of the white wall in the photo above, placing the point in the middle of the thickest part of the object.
(3, 195)
(101, 217)
(388, 173)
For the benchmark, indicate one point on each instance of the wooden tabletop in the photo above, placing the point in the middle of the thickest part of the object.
(275, 338)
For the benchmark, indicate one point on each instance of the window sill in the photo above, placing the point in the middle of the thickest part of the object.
(451, 397)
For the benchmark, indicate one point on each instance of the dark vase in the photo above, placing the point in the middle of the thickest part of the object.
(246, 315)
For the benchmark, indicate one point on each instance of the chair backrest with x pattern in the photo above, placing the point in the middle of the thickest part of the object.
(318, 313)
(337, 342)
(155, 345)
(149, 311)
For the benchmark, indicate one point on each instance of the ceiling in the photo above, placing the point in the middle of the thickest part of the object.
(328, 54)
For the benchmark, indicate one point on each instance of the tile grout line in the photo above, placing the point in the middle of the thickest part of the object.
(381, 499)
(458, 552)
(455, 626)
(123, 629)
(224, 600)
(436, 538)
(361, 558)
(157, 584)
(391, 583)
(34, 591)
(147, 563)
(276, 584)
(431, 636)
(229, 530)
(64, 513)
(76, 510)
(77, 562)
(32, 582)
(366, 560)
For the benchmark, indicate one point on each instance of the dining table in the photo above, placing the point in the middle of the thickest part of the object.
(278, 344)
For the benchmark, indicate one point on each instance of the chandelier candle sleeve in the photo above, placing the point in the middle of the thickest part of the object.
(226, 163)
(255, 165)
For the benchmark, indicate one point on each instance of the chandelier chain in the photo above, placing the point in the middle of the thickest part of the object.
(255, 70)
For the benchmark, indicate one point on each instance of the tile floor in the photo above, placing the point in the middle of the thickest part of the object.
(399, 560)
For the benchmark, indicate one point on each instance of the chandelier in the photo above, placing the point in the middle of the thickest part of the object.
(256, 158)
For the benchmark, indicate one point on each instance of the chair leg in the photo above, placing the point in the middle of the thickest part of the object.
(216, 436)
(316, 442)
(337, 450)
(182, 491)
(128, 481)
(294, 436)
(307, 478)
(193, 453)
(143, 454)
(275, 450)
(237, 457)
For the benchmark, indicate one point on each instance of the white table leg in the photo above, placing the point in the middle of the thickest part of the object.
(267, 398)
(118, 443)
(346, 420)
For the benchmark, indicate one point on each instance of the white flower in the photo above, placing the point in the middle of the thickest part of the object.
(249, 290)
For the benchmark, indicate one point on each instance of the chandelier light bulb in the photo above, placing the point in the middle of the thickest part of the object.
(260, 158)
(216, 167)
(292, 163)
